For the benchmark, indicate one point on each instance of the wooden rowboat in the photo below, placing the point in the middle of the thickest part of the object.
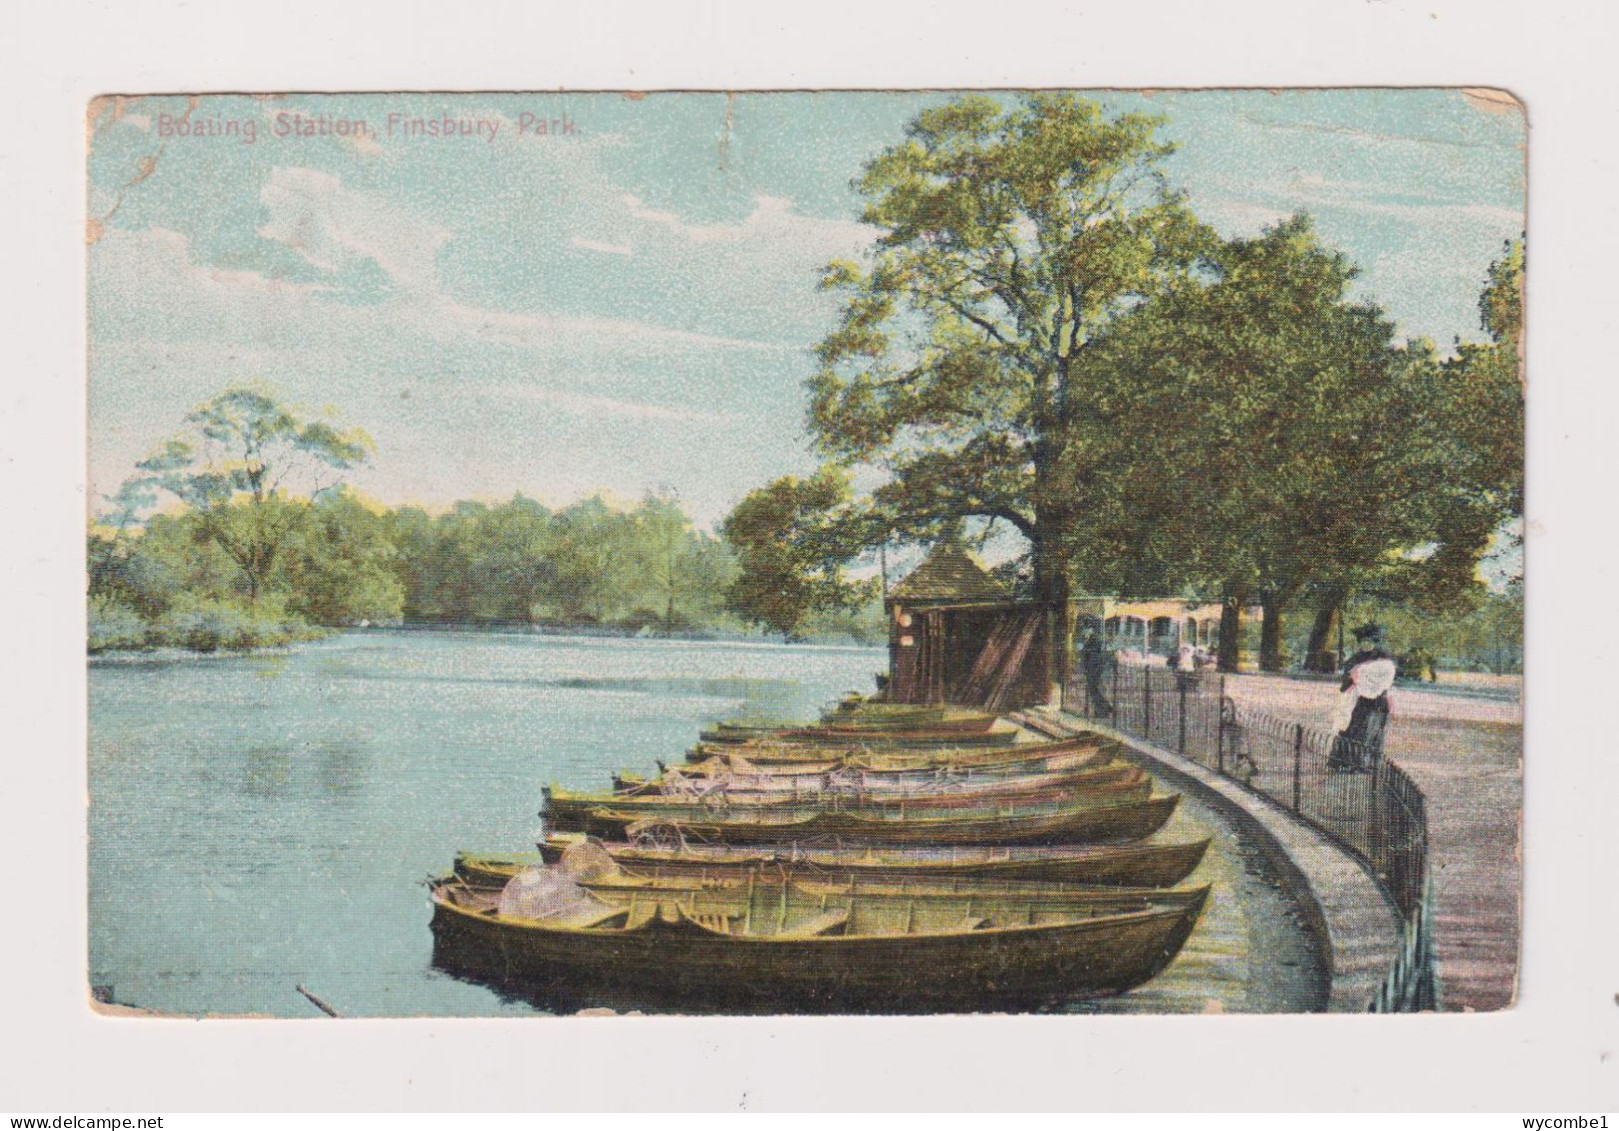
(1111, 780)
(919, 738)
(769, 757)
(923, 893)
(781, 946)
(570, 811)
(897, 727)
(703, 778)
(590, 868)
(1128, 865)
(1068, 823)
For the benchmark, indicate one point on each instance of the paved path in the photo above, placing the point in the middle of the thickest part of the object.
(1465, 754)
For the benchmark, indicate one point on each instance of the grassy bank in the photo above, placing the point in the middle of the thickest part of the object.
(196, 625)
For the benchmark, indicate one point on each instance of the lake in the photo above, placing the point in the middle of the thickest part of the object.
(261, 822)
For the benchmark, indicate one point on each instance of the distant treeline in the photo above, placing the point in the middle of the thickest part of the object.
(249, 573)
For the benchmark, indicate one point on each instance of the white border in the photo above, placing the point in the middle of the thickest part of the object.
(1555, 1052)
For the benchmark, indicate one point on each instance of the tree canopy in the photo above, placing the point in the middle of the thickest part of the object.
(792, 540)
(237, 464)
(1009, 238)
(1045, 336)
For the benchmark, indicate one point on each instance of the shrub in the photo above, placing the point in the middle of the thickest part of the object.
(115, 626)
(212, 624)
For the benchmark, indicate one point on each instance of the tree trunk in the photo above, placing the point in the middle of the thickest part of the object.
(1270, 633)
(1231, 631)
(1320, 656)
(1051, 588)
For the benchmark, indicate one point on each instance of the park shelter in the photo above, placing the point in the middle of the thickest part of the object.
(1156, 627)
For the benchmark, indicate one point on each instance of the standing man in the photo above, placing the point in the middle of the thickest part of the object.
(1094, 661)
(1367, 679)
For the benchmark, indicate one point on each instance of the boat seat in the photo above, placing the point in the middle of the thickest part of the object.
(597, 918)
(823, 924)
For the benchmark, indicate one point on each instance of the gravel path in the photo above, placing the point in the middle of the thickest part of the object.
(1466, 755)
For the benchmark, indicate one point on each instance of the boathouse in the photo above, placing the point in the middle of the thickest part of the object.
(955, 635)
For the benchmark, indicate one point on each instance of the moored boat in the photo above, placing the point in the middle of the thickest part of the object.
(737, 775)
(565, 806)
(1129, 865)
(781, 945)
(769, 756)
(897, 739)
(1079, 822)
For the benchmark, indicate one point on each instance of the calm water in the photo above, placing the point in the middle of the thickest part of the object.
(261, 822)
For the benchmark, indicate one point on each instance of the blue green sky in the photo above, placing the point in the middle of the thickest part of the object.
(630, 306)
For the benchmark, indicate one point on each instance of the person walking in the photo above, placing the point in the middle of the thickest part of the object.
(1363, 711)
(1094, 662)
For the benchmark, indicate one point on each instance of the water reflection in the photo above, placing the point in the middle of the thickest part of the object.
(337, 767)
(267, 772)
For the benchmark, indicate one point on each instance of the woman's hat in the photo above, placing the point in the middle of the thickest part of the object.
(1369, 631)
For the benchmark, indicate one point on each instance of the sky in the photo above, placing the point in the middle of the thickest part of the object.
(607, 293)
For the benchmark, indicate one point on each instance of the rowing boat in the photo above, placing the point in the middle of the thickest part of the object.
(771, 758)
(589, 866)
(739, 775)
(781, 945)
(565, 809)
(918, 738)
(1065, 823)
(721, 794)
(946, 719)
(900, 727)
(1128, 865)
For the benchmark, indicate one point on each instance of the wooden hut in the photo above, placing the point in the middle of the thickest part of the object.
(956, 636)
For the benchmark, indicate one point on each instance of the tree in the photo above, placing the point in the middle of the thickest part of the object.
(1009, 239)
(679, 565)
(236, 465)
(1486, 386)
(344, 568)
(1316, 455)
(1307, 447)
(792, 540)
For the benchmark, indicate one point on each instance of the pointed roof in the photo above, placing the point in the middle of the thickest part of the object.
(948, 574)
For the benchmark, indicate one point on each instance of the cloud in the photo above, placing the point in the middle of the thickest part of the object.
(772, 222)
(545, 331)
(334, 227)
(1229, 214)
(604, 248)
(592, 405)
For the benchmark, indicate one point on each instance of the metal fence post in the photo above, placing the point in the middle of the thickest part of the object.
(1181, 680)
(1146, 704)
(1298, 762)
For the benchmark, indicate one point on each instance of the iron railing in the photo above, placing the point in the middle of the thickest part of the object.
(1342, 788)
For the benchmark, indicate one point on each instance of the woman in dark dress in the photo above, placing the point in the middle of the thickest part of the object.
(1368, 677)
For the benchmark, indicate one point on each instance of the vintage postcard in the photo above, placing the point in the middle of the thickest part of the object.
(861, 552)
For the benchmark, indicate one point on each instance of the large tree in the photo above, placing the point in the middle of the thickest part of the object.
(1269, 438)
(1009, 238)
(246, 465)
